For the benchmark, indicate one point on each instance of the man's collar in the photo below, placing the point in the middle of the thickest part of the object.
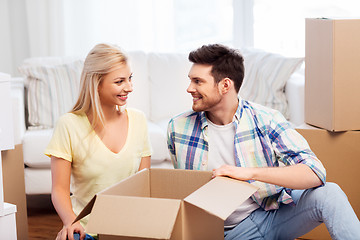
(203, 120)
(237, 116)
(239, 109)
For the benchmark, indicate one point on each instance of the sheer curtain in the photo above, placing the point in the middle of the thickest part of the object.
(39, 28)
(147, 25)
(45, 27)
(14, 45)
(134, 25)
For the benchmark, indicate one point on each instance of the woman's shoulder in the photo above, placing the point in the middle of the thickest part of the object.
(135, 113)
(72, 119)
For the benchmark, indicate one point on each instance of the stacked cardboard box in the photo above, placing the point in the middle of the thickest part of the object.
(332, 74)
(332, 103)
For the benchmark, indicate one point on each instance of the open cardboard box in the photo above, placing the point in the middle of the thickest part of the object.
(165, 204)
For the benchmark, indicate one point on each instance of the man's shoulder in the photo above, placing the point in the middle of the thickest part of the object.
(186, 118)
(185, 115)
(263, 114)
(259, 109)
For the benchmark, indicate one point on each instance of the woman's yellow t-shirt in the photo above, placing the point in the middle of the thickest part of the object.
(94, 166)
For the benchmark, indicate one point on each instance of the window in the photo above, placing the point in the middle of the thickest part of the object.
(279, 25)
(202, 22)
(147, 25)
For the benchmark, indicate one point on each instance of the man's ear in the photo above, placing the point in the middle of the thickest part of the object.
(226, 85)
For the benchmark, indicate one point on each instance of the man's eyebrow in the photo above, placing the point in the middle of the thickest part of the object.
(193, 77)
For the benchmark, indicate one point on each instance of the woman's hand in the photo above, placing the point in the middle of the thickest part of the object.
(67, 232)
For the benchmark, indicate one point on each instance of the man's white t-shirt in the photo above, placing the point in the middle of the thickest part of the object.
(221, 152)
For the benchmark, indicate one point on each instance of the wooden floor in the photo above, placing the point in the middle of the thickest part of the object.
(43, 220)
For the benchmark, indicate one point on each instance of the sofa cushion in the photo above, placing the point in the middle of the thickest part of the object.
(168, 75)
(34, 144)
(265, 78)
(158, 141)
(37, 180)
(52, 90)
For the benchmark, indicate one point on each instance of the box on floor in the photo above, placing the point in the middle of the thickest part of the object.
(14, 187)
(166, 204)
(340, 154)
(332, 73)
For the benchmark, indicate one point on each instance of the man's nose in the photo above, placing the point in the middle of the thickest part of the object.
(190, 88)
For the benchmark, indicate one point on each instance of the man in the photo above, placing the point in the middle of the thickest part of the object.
(249, 142)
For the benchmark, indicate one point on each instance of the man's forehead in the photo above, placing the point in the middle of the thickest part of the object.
(200, 69)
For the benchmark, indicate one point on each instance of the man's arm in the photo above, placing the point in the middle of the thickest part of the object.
(298, 176)
(301, 170)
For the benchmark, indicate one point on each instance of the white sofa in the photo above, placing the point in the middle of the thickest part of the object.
(160, 82)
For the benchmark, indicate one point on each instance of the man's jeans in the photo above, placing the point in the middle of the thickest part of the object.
(327, 204)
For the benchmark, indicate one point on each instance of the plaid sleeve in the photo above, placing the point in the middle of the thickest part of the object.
(292, 148)
(171, 142)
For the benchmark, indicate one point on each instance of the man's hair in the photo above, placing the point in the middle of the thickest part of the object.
(226, 62)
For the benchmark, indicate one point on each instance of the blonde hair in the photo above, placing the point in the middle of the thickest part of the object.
(101, 60)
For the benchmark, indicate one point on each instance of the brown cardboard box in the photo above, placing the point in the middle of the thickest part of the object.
(14, 187)
(332, 74)
(166, 204)
(340, 154)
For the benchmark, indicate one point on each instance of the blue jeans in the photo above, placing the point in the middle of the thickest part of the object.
(327, 204)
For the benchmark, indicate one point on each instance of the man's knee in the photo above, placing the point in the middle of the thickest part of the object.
(329, 193)
(333, 189)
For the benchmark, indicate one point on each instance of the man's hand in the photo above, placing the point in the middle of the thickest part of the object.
(239, 173)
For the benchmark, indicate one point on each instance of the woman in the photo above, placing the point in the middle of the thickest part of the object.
(99, 142)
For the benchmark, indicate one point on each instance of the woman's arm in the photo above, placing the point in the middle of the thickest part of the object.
(298, 176)
(60, 195)
(145, 163)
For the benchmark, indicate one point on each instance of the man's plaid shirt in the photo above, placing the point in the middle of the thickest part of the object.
(263, 138)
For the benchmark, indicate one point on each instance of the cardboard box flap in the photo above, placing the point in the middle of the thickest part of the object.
(176, 183)
(87, 210)
(133, 216)
(221, 196)
(137, 185)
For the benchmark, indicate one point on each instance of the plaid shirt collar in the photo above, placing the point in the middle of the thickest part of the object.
(236, 118)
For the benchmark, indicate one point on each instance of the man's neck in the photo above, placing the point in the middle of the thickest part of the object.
(223, 115)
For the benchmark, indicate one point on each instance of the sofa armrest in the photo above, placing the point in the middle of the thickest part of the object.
(294, 91)
(17, 95)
